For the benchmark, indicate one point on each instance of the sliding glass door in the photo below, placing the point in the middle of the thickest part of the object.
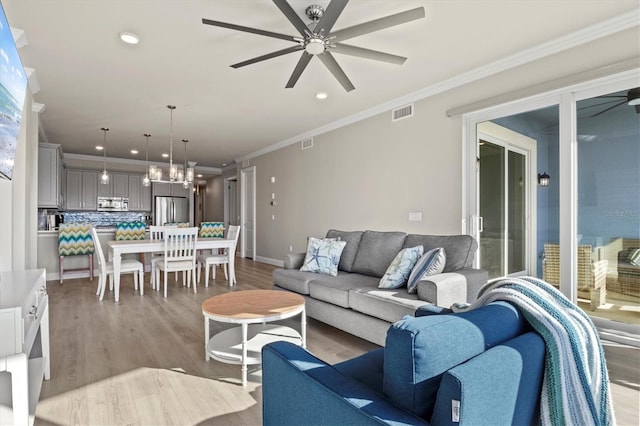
(581, 221)
(503, 209)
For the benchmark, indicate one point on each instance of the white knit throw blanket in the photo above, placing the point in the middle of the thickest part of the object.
(576, 383)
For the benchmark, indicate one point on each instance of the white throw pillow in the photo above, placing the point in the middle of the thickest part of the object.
(399, 270)
(431, 263)
(323, 255)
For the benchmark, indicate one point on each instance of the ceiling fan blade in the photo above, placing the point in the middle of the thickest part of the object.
(297, 71)
(268, 56)
(609, 109)
(330, 62)
(378, 24)
(249, 30)
(361, 52)
(599, 104)
(330, 17)
(292, 16)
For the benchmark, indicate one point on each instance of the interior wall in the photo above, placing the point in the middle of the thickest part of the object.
(18, 223)
(214, 200)
(371, 174)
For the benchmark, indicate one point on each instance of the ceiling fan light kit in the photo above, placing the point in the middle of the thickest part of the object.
(633, 96)
(316, 39)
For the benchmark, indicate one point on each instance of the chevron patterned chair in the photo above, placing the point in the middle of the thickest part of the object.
(74, 239)
(211, 230)
(130, 231)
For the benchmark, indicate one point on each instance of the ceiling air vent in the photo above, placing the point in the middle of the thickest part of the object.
(402, 112)
(306, 144)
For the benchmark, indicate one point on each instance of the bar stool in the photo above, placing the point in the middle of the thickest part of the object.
(74, 239)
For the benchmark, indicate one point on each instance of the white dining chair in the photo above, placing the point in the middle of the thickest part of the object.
(157, 233)
(127, 266)
(208, 261)
(179, 255)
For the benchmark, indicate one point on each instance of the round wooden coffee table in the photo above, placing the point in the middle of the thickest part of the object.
(252, 309)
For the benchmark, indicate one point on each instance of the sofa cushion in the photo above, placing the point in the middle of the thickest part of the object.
(388, 305)
(323, 256)
(352, 239)
(460, 249)
(293, 279)
(335, 290)
(418, 350)
(431, 263)
(376, 251)
(397, 273)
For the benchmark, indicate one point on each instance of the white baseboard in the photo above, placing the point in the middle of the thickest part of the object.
(270, 261)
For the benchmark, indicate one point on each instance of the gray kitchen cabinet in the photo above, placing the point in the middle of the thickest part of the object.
(170, 190)
(139, 195)
(118, 186)
(82, 190)
(50, 176)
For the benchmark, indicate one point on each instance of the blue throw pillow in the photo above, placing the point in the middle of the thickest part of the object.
(323, 256)
(399, 270)
(431, 263)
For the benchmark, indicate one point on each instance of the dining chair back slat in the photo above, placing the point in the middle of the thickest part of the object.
(179, 254)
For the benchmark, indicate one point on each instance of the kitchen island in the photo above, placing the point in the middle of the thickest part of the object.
(49, 260)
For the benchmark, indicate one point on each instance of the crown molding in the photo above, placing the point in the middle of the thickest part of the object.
(602, 29)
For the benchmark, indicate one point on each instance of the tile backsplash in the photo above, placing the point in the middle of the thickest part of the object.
(104, 219)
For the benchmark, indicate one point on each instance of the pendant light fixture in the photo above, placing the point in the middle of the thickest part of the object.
(104, 178)
(188, 176)
(145, 180)
(177, 173)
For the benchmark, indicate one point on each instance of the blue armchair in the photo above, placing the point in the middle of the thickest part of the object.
(483, 366)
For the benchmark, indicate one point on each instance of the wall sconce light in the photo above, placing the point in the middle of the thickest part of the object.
(543, 179)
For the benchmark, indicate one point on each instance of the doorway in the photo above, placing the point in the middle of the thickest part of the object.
(231, 216)
(505, 204)
(248, 212)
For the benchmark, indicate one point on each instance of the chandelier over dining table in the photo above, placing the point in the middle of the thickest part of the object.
(177, 173)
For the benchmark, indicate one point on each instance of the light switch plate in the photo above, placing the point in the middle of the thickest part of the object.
(415, 216)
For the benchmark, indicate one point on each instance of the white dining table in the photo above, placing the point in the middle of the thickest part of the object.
(120, 247)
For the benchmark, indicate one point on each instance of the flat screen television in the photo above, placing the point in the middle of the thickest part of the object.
(13, 86)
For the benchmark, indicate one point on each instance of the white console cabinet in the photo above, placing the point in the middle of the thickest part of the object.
(24, 310)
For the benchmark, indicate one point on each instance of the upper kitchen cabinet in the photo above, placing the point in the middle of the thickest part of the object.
(118, 186)
(50, 176)
(170, 190)
(139, 195)
(82, 190)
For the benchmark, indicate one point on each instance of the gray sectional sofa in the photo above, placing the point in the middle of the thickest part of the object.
(352, 301)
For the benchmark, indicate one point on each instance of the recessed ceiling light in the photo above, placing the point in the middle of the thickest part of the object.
(129, 38)
(321, 95)
(224, 164)
(165, 155)
(199, 175)
(99, 148)
(134, 151)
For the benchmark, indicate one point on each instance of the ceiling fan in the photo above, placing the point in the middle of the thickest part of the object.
(632, 98)
(317, 39)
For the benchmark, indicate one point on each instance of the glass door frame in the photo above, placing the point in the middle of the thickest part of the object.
(565, 98)
(525, 146)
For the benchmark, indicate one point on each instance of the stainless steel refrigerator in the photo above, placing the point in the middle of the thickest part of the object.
(171, 209)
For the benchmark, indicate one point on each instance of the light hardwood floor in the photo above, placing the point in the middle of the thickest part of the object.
(141, 361)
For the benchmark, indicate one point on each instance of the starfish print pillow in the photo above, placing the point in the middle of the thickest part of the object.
(323, 256)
